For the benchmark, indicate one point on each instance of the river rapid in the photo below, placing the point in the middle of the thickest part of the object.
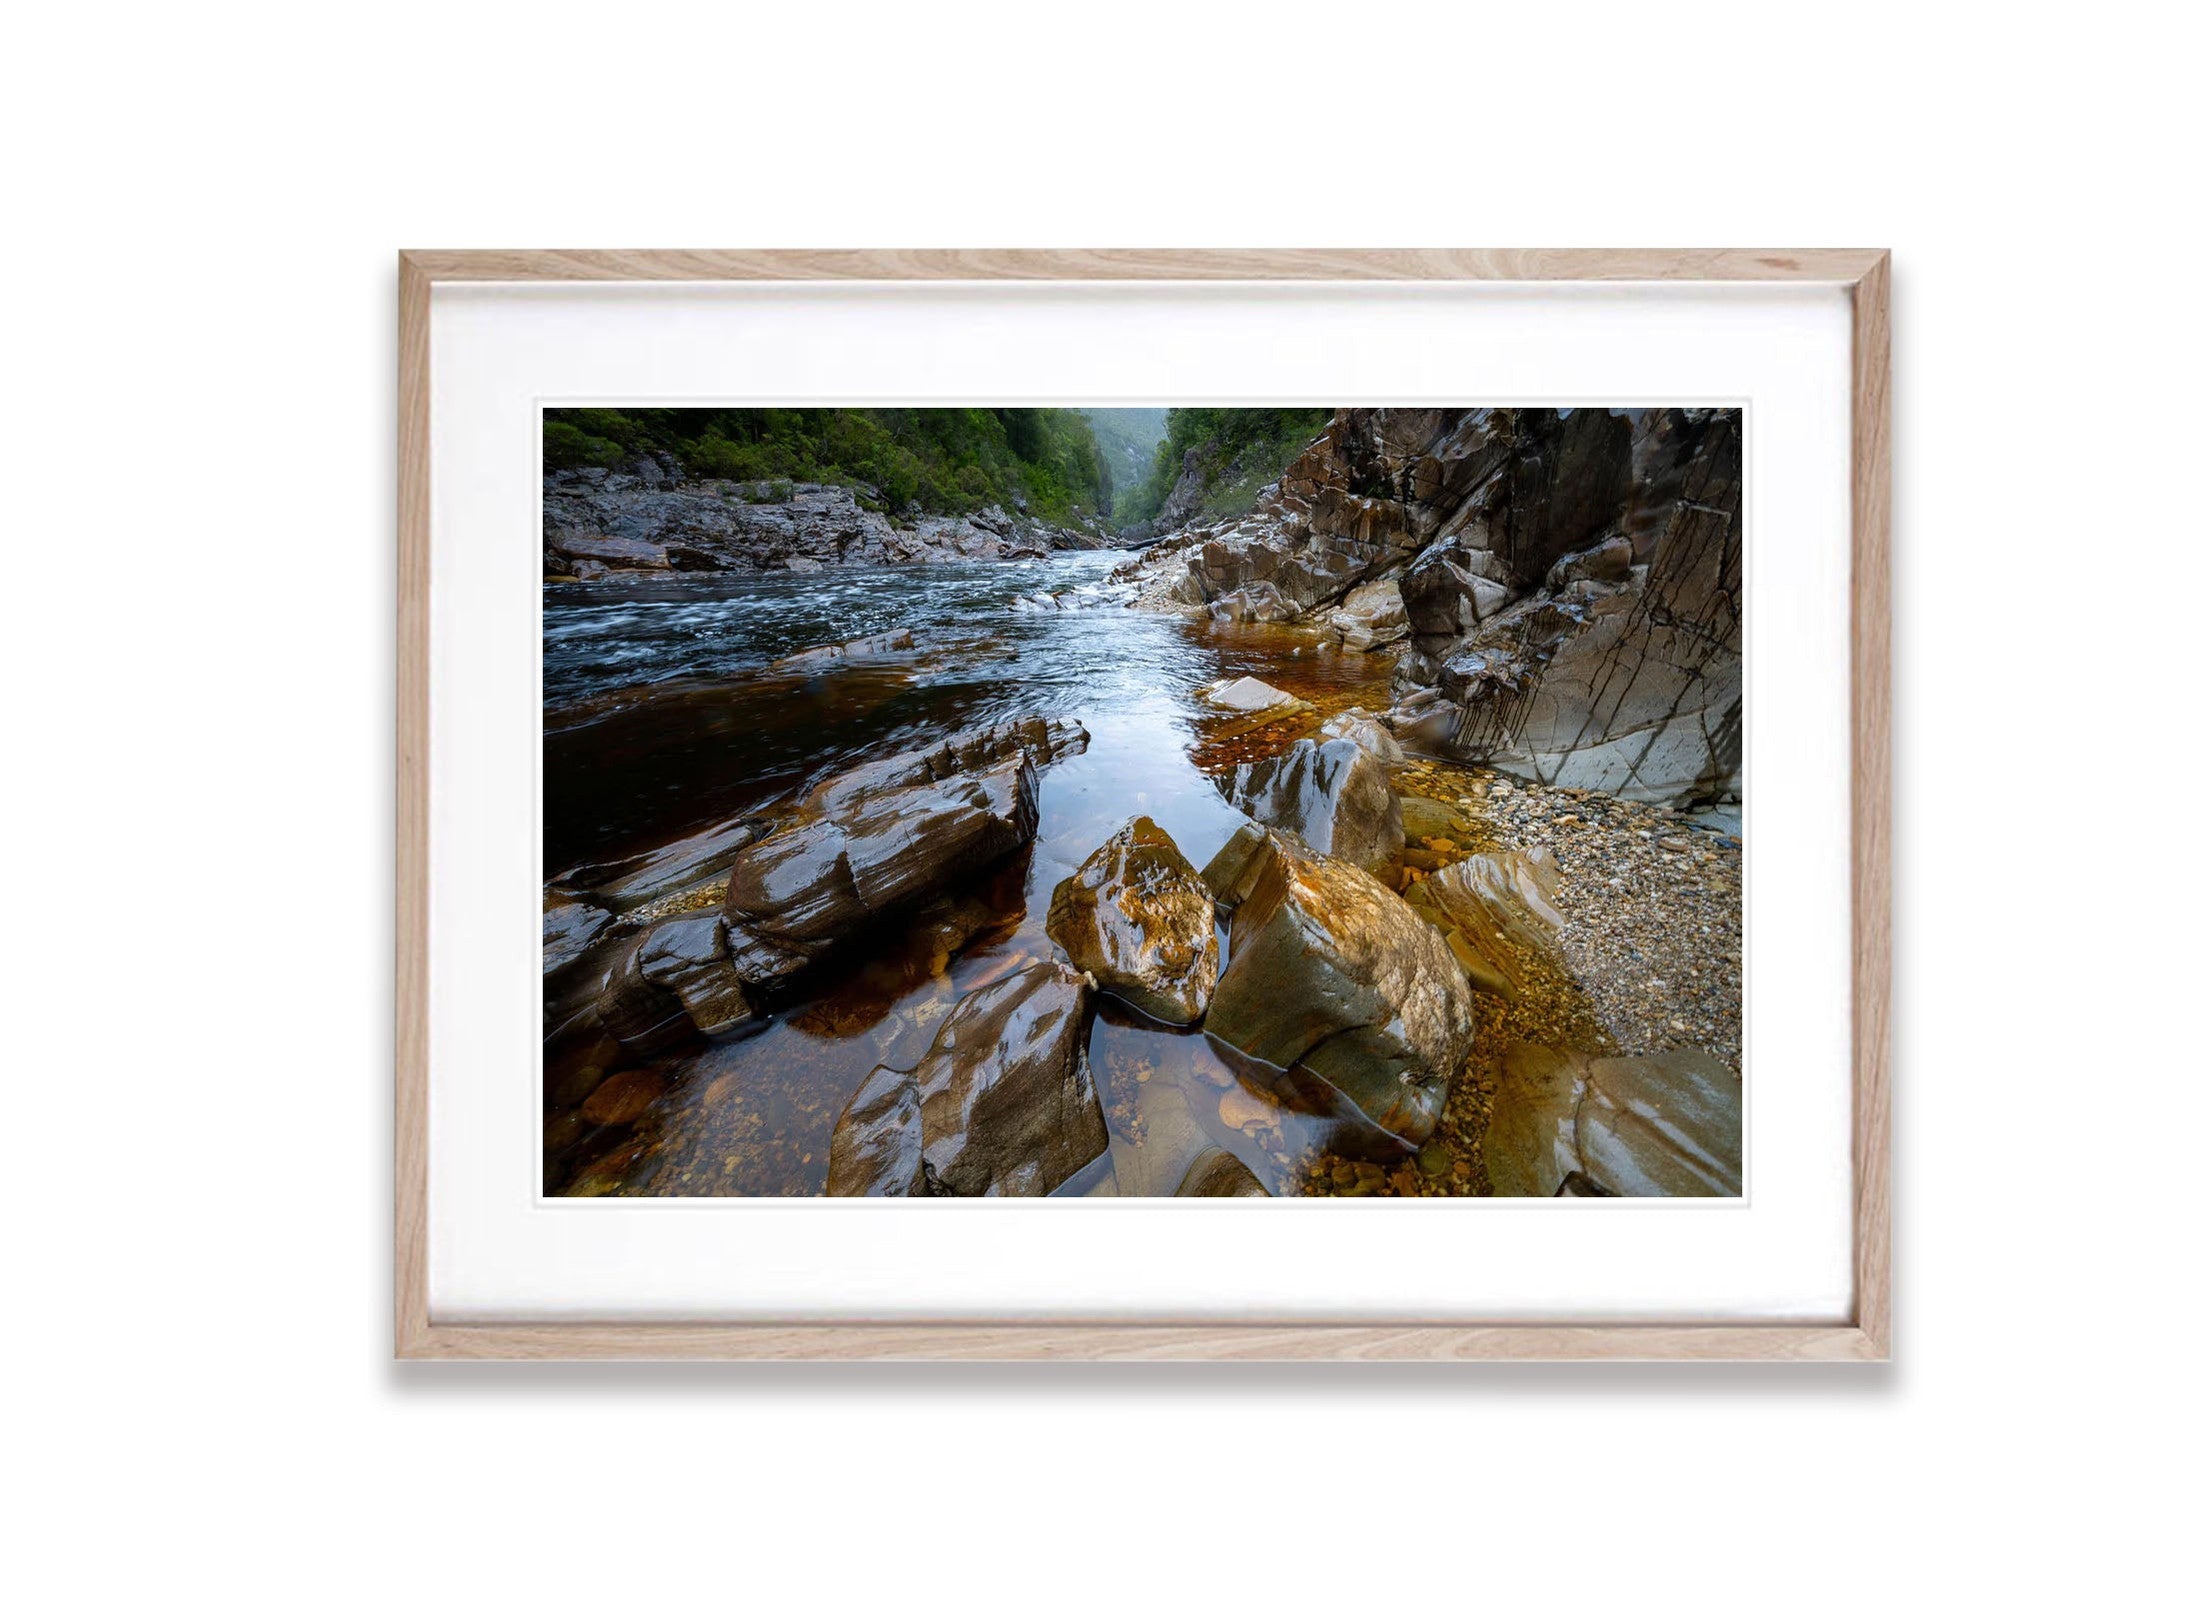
(664, 714)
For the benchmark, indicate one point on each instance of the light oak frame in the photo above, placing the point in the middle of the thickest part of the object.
(1863, 1336)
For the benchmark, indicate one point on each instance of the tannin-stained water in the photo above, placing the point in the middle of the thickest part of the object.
(664, 714)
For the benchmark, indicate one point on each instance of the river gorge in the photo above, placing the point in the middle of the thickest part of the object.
(961, 859)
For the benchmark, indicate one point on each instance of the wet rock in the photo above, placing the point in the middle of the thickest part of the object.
(1335, 796)
(622, 1098)
(1008, 1106)
(1045, 741)
(568, 928)
(1217, 1174)
(878, 1143)
(1332, 975)
(808, 887)
(1502, 909)
(637, 880)
(1228, 875)
(854, 649)
(1250, 694)
(1138, 918)
(688, 956)
(1370, 735)
(675, 980)
(1646, 1126)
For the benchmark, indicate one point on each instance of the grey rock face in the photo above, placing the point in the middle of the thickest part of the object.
(1646, 1126)
(650, 522)
(1335, 796)
(1571, 582)
(1332, 976)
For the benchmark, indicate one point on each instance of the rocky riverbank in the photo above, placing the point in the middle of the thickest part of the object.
(653, 522)
(1402, 978)
(1564, 586)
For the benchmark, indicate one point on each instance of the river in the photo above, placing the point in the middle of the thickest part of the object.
(663, 715)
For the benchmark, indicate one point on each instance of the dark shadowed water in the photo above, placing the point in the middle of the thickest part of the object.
(664, 714)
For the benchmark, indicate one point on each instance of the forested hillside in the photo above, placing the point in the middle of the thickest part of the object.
(1046, 463)
(1213, 461)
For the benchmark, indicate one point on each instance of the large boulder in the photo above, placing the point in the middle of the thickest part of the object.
(1333, 976)
(1002, 1103)
(804, 889)
(1137, 917)
(1335, 796)
(1649, 1126)
(1008, 1102)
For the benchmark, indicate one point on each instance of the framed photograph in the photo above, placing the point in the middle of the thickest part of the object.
(1141, 804)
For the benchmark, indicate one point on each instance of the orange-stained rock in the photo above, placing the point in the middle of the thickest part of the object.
(1137, 917)
(622, 1098)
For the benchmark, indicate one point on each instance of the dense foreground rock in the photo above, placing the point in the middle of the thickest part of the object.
(1335, 796)
(1634, 1126)
(1137, 917)
(1332, 975)
(1002, 1104)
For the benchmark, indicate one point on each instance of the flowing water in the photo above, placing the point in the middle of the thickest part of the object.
(664, 714)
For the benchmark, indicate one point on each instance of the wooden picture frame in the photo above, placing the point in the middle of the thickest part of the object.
(1862, 1336)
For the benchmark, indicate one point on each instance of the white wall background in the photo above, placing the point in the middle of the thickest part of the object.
(198, 392)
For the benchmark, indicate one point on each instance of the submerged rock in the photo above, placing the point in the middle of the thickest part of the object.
(1217, 1174)
(1335, 796)
(1648, 1126)
(1138, 918)
(1332, 975)
(1008, 1101)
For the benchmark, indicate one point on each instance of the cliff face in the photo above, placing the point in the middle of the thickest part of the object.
(1571, 582)
(599, 523)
